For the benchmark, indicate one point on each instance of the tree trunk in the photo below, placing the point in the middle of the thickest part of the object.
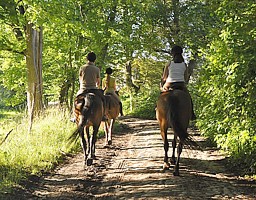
(129, 80)
(191, 67)
(176, 21)
(67, 83)
(34, 70)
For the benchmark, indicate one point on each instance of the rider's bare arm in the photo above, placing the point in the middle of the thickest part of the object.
(166, 72)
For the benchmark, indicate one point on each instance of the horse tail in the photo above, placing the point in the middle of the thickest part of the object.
(175, 122)
(178, 128)
(82, 110)
(86, 109)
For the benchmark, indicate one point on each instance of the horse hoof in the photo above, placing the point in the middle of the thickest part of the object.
(173, 161)
(110, 142)
(166, 166)
(176, 173)
(89, 161)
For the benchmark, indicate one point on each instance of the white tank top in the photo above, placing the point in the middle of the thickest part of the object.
(176, 72)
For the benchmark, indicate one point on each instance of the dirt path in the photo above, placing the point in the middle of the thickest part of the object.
(132, 169)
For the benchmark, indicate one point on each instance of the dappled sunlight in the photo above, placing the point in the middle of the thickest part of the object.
(141, 170)
(132, 168)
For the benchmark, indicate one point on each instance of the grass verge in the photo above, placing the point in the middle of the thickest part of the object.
(23, 154)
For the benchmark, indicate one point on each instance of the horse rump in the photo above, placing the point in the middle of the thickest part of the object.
(180, 115)
(112, 105)
(83, 104)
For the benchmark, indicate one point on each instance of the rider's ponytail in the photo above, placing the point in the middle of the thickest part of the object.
(177, 54)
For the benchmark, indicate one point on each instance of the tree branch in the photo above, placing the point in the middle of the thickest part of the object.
(162, 51)
(6, 137)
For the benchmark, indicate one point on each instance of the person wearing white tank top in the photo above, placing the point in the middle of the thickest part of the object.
(176, 74)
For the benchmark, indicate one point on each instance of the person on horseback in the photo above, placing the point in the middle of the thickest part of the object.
(175, 73)
(109, 86)
(89, 79)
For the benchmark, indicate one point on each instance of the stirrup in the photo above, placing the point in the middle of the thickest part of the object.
(104, 118)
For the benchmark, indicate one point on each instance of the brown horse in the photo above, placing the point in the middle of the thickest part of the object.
(89, 112)
(174, 110)
(112, 110)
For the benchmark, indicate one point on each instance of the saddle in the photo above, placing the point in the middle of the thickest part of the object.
(176, 86)
(98, 92)
(173, 88)
(94, 91)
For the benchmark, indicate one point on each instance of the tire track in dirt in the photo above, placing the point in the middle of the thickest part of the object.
(132, 169)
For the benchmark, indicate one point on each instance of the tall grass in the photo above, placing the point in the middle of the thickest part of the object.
(24, 153)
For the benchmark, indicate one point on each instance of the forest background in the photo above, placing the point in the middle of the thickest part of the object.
(44, 43)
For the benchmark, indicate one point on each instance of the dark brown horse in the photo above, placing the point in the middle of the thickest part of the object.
(89, 112)
(112, 110)
(174, 110)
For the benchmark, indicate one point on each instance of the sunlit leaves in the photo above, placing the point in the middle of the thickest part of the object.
(227, 94)
(13, 79)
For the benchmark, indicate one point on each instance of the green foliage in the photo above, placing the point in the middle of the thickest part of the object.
(117, 31)
(147, 76)
(13, 74)
(226, 84)
(145, 105)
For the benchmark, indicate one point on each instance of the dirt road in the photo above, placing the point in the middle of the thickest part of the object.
(132, 169)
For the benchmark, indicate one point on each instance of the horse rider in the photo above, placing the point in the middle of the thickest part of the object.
(89, 80)
(109, 86)
(175, 73)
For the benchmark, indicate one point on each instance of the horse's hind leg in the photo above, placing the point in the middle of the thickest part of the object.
(110, 131)
(106, 130)
(176, 167)
(88, 150)
(174, 143)
(166, 148)
(84, 142)
(93, 139)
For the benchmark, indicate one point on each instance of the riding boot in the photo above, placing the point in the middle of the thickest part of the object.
(121, 109)
(104, 117)
(193, 116)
